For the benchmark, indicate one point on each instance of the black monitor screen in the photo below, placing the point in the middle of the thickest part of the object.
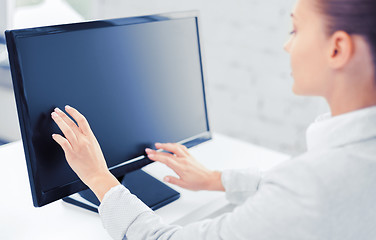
(137, 81)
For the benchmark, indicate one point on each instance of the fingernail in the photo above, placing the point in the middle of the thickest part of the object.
(150, 155)
(167, 179)
(68, 107)
(158, 144)
(57, 110)
(53, 114)
(147, 149)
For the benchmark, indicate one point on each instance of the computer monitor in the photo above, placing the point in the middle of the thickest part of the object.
(137, 80)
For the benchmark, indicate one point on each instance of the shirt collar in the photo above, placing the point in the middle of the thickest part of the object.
(330, 132)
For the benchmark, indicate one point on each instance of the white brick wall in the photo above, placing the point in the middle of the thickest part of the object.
(249, 82)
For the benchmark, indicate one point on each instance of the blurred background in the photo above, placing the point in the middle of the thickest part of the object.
(248, 73)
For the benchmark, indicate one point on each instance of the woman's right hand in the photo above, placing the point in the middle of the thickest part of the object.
(192, 175)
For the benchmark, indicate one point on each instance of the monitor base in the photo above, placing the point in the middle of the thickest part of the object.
(154, 193)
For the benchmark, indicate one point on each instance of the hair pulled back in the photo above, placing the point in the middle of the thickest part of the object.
(352, 16)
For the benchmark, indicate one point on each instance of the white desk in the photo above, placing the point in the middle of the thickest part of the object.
(59, 220)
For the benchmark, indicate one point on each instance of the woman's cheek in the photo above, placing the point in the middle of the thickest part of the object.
(296, 64)
(302, 64)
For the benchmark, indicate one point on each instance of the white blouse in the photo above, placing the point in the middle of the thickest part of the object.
(327, 193)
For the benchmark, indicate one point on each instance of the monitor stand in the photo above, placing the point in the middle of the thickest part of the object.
(151, 191)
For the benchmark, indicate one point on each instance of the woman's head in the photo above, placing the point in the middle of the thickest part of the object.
(333, 44)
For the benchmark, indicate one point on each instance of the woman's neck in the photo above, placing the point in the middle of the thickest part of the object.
(348, 98)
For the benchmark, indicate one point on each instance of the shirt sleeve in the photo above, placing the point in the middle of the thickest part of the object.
(119, 209)
(240, 184)
(268, 214)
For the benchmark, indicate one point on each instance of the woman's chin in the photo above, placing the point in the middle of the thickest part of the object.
(297, 90)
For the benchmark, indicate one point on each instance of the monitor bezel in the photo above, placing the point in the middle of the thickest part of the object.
(41, 198)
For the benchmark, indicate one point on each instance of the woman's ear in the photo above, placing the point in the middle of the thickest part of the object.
(341, 47)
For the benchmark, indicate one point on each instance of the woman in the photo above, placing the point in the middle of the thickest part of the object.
(327, 193)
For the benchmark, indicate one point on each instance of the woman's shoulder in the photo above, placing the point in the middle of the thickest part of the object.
(346, 170)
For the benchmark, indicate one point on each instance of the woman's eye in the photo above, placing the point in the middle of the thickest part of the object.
(292, 32)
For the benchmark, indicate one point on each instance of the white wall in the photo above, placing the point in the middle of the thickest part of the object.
(249, 80)
(6, 7)
(9, 126)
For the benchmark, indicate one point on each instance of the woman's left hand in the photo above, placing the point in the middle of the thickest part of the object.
(82, 151)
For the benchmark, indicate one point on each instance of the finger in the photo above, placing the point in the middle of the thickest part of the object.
(151, 151)
(68, 121)
(174, 180)
(168, 161)
(185, 149)
(171, 147)
(67, 131)
(64, 143)
(80, 119)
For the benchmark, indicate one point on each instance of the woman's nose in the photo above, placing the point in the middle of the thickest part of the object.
(286, 46)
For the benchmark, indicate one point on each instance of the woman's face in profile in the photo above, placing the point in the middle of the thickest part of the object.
(307, 47)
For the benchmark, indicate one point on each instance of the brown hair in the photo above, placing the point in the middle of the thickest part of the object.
(352, 16)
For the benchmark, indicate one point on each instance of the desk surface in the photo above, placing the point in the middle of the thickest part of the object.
(59, 220)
